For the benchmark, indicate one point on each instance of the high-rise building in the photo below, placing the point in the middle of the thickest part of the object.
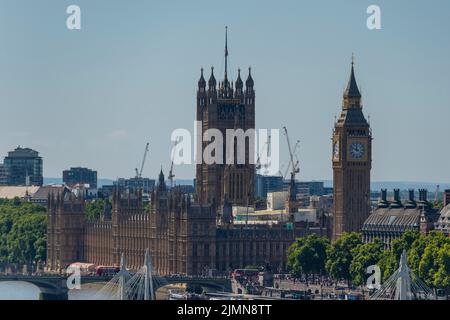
(352, 162)
(78, 176)
(136, 183)
(222, 107)
(266, 184)
(23, 167)
(3, 176)
(306, 188)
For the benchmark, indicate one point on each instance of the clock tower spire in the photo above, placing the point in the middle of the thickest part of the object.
(352, 162)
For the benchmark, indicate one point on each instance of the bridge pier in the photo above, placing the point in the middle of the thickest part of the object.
(53, 296)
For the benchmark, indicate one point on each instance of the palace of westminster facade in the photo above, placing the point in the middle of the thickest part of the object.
(188, 235)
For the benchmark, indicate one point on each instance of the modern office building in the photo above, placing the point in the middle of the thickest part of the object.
(80, 176)
(3, 176)
(23, 167)
(267, 184)
(136, 183)
(306, 188)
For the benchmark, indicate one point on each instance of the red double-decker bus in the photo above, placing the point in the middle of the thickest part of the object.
(104, 271)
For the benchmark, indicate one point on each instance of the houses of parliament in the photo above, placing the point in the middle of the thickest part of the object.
(191, 234)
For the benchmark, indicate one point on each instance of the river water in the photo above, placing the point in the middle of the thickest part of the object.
(27, 291)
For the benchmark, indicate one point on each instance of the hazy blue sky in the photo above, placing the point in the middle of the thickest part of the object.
(94, 97)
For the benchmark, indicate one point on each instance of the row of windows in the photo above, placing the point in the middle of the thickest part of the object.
(202, 101)
(248, 248)
(261, 248)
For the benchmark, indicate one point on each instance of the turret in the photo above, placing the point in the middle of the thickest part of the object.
(212, 81)
(201, 95)
(201, 82)
(239, 86)
(249, 84)
(212, 88)
(161, 182)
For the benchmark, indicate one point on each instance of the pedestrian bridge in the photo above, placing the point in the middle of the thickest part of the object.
(124, 285)
(54, 287)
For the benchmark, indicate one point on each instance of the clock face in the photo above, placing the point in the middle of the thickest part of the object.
(357, 150)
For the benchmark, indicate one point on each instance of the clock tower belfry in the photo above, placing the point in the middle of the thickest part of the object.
(352, 162)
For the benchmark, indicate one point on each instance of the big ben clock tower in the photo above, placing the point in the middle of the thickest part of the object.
(352, 162)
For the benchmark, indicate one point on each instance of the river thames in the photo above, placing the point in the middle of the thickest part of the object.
(26, 291)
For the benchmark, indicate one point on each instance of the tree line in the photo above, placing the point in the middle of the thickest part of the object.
(348, 258)
(23, 232)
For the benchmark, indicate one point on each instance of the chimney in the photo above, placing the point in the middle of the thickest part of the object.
(382, 203)
(423, 197)
(411, 195)
(384, 195)
(446, 197)
(397, 195)
(396, 202)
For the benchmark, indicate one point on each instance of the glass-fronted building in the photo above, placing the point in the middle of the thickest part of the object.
(23, 167)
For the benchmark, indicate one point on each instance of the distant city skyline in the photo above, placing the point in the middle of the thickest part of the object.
(94, 97)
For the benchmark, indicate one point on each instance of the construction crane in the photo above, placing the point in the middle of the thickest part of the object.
(289, 163)
(258, 161)
(295, 168)
(291, 199)
(267, 164)
(139, 173)
(171, 174)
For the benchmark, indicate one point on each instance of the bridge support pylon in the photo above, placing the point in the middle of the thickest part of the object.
(149, 293)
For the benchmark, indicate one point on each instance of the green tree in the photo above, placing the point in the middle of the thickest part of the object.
(94, 209)
(307, 255)
(340, 256)
(23, 229)
(147, 208)
(364, 255)
(432, 251)
(428, 257)
(441, 278)
(390, 258)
